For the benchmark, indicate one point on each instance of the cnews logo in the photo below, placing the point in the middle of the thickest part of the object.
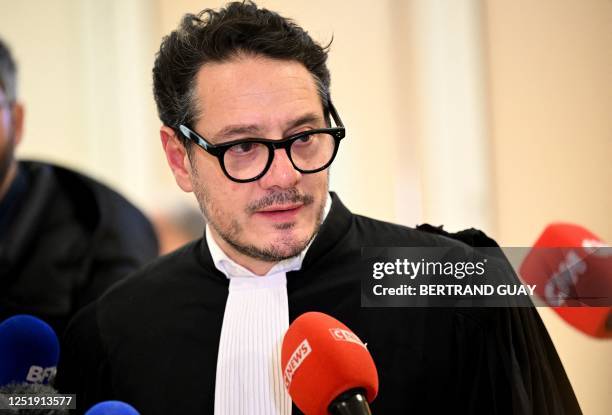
(296, 359)
(346, 336)
(38, 374)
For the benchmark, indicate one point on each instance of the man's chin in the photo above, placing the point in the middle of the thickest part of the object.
(279, 247)
(271, 253)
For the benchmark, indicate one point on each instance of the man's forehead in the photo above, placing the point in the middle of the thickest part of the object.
(251, 91)
(252, 76)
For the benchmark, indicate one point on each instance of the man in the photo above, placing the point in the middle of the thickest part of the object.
(199, 331)
(64, 238)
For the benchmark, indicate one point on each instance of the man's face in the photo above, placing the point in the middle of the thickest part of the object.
(277, 215)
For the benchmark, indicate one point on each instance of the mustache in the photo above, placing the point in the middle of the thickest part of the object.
(280, 198)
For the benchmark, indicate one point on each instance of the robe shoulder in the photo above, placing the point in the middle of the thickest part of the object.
(375, 232)
(182, 271)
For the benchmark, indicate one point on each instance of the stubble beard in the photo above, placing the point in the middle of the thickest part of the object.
(283, 248)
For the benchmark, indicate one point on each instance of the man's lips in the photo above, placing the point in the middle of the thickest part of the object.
(277, 208)
(280, 212)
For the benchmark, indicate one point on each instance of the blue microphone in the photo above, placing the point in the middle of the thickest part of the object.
(112, 408)
(29, 351)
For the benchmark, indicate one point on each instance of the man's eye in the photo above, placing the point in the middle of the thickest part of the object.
(243, 148)
(307, 139)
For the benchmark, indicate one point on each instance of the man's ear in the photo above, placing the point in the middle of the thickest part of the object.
(17, 121)
(177, 158)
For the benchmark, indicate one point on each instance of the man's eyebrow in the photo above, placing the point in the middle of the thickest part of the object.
(255, 130)
(237, 129)
(310, 118)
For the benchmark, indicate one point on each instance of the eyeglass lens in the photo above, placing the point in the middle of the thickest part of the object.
(245, 161)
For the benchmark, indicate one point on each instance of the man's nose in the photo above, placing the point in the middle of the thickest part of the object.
(281, 173)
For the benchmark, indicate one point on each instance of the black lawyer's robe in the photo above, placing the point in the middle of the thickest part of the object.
(153, 340)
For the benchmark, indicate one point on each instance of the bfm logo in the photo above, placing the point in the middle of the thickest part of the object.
(38, 374)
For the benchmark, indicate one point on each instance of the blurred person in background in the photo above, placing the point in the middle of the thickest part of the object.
(64, 237)
(176, 225)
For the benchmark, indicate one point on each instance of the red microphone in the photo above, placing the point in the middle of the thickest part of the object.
(326, 367)
(572, 268)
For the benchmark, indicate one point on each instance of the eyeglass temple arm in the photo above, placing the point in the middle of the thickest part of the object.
(334, 114)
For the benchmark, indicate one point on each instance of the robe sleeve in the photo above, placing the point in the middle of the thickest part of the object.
(515, 368)
(509, 364)
(539, 383)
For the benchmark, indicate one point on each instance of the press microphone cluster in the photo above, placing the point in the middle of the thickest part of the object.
(326, 367)
(29, 352)
(572, 268)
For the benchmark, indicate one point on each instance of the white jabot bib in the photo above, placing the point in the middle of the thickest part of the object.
(249, 377)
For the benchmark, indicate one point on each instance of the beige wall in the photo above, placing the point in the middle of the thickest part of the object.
(551, 99)
(550, 73)
(84, 68)
(50, 77)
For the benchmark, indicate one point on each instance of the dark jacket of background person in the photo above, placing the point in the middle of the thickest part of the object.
(64, 239)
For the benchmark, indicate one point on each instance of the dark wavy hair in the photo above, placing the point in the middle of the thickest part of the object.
(218, 36)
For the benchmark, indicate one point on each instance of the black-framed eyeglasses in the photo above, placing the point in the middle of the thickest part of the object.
(249, 159)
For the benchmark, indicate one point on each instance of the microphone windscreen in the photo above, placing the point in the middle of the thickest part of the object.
(572, 268)
(321, 359)
(29, 350)
(112, 408)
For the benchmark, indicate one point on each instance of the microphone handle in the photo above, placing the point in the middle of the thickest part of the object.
(351, 402)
